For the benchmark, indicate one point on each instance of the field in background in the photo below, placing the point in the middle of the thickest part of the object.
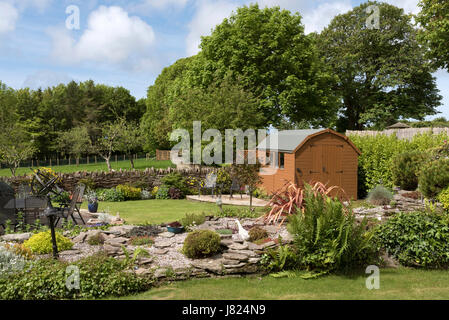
(139, 164)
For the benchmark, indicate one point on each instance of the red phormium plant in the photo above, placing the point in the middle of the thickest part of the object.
(290, 198)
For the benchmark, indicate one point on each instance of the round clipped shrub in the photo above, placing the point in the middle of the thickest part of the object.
(434, 177)
(201, 243)
(405, 169)
(379, 195)
(41, 243)
(257, 233)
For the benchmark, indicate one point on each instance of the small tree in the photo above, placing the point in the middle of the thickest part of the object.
(75, 142)
(108, 140)
(247, 174)
(129, 140)
(16, 145)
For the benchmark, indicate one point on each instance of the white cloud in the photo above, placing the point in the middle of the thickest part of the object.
(319, 18)
(112, 36)
(45, 78)
(207, 16)
(410, 6)
(8, 17)
(162, 4)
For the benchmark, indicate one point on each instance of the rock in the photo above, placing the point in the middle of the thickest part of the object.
(166, 234)
(144, 261)
(163, 244)
(238, 246)
(253, 260)
(214, 266)
(247, 268)
(117, 242)
(142, 271)
(235, 256)
(226, 242)
(160, 273)
(249, 253)
(389, 262)
(80, 238)
(230, 262)
(122, 230)
(111, 250)
(159, 251)
(268, 244)
(271, 229)
(69, 252)
(253, 246)
(226, 236)
(16, 237)
(239, 265)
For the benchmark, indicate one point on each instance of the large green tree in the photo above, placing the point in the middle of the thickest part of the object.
(268, 50)
(383, 73)
(434, 19)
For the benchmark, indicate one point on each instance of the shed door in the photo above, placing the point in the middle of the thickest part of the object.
(332, 166)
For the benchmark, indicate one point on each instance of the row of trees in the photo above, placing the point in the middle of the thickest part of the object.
(349, 76)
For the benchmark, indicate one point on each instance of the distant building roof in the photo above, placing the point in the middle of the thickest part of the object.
(287, 140)
(398, 125)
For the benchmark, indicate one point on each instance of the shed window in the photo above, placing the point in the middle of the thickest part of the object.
(281, 160)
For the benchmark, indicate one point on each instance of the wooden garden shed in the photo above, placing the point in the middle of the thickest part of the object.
(311, 155)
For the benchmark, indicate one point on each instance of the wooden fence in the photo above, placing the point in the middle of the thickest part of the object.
(162, 154)
(407, 133)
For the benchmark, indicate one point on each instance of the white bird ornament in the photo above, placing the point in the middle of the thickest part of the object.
(244, 235)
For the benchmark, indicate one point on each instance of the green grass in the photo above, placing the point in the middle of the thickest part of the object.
(139, 164)
(401, 283)
(157, 211)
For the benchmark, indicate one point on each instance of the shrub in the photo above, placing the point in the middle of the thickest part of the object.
(141, 241)
(145, 195)
(434, 177)
(416, 239)
(380, 196)
(224, 231)
(10, 262)
(95, 239)
(162, 193)
(193, 219)
(279, 259)
(129, 192)
(21, 250)
(375, 162)
(443, 198)
(257, 233)
(41, 243)
(88, 182)
(326, 236)
(175, 193)
(224, 180)
(175, 180)
(237, 213)
(45, 279)
(110, 195)
(154, 191)
(405, 169)
(201, 243)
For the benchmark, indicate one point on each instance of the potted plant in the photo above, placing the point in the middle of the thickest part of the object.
(175, 227)
(92, 201)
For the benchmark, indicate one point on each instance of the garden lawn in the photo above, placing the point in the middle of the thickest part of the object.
(157, 211)
(401, 283)
(139, 164)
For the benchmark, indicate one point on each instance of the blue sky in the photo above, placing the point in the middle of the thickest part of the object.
(127, 43)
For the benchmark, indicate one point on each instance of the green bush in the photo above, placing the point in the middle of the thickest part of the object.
(201, 243)
(130, 193)
(45, 279)
(110, 195)
(175, 180)
(88, 182)
(443, 198)
(41, 243)
(162, 193)
(238, 213)
(10, 262)
(375, 162)
(193, 219)
(434, 177)
(416, 239)
(257, 233)
(141, 241)
(327, 237)
(380, 196)
(405, 169)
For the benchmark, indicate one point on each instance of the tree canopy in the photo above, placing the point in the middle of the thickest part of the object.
(383, 73)
(434, 20)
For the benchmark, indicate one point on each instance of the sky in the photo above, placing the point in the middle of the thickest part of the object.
(128, 43)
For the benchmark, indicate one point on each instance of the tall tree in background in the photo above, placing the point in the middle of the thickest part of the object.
(129, 140)
(75, 142)
(268, 50)
(383, 73)
(434, 19)
(107, 140)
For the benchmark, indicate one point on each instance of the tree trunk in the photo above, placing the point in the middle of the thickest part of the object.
(108, 163)
(132, 161)
(77, 161)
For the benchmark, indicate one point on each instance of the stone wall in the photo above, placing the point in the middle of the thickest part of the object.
(111, 179)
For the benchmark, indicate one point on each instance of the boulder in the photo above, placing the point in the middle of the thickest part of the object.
(214, 266)
(163, 244)
(235, 256)
(238, 246)
(166, 234)
(111, 250)
(16, 237)
(80, 238)
(117, 242)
